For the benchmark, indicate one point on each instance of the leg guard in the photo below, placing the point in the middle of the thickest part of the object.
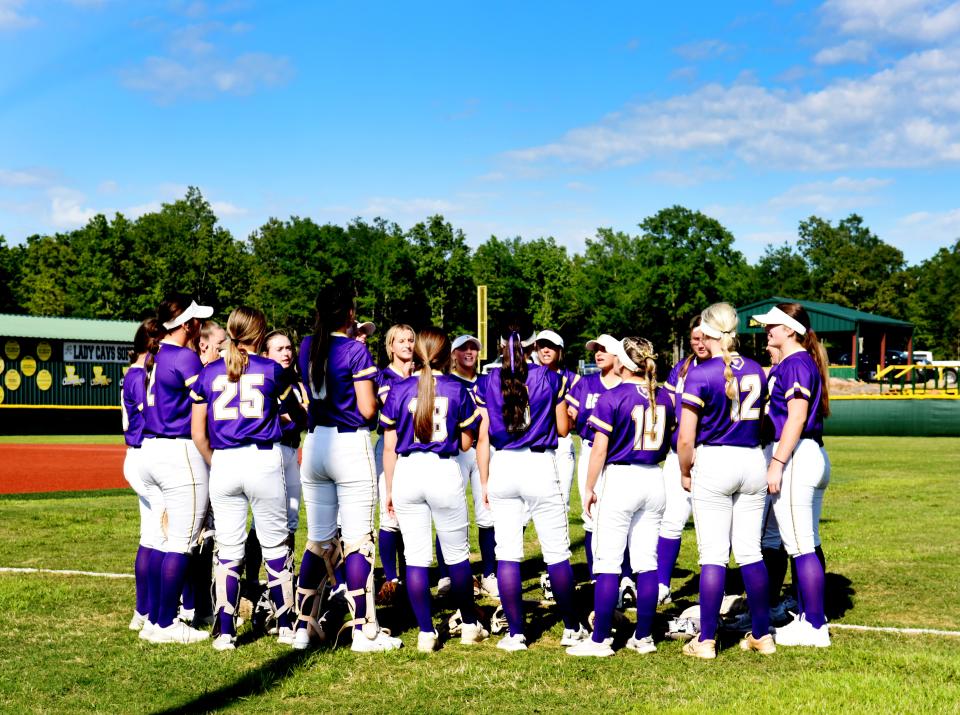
(280, 585)
(309, 599)
(368, 622)
(227, 585)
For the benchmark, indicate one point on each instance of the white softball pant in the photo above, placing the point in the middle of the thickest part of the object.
(566, 465)
(251, 477)
(151, 503)
(176, 468)
(678, 506)
(291, 477)
(425, 486)
(521, 479)
(800, 502)
(583, 464)
(338, 474)
(386, 521)
(471, 475)
(729, 490)
(630, 503)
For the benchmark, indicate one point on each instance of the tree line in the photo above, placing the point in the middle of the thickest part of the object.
(649, 283)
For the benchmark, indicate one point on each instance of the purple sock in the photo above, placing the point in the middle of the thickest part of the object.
(588, 546)
(358, 569)
(388, 553)
(227, 621)
(646, 603)
(488, 545)
(668, 550)
(757, 586)
(186, 593)
(604, 602)
(418, 589)
(810, 582)
(312, 569)
(401, 561)
(278, 565)
(796, 586)
(625, 569)
(141, 570)
(155, 579)
(462, 588)
(172, 573)
(511, 594)
(712, 579)
(441, 564)
(561, 582)
(776, 562)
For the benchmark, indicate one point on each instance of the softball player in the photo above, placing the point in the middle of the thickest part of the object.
(172, 464)
(210, 341)
(399, 346)
(624, 492)
(550, 352)
(145, 344)
(799, 469)
(723, 401)
(677, 510)
(293, 420)
(427, 421)
(581, 400)
(523, 414)
(338, 472)
(465, 352)
(236, 427)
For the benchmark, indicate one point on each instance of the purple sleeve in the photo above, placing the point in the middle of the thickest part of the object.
(795, 379)
(671, 383)
(390, 412)
(362, 366)
(603, 415)
(199, 392)
(575, 394)
(189, 366)
(469, 417)
(480, 392)
(695, 389)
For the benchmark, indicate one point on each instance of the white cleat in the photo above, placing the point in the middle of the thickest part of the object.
(663, 595)
(489, 586)
(146, 632)
(178, 632)
(444, 585)
(285, 636)
(137, 622)
(427, 642)
(379, 643)
(642, 645)
(590, 647)
(224, 641)
(186, 615)
(572, 637)
(301, 639)
(801, 633)
(511, 644)
(471, 633)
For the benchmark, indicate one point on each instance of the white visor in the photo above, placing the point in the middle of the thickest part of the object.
(621, 355)
(462, 340)
(607, 342)
(201, 312)
(367, 329)
(710, 331)
(775, 316)
(548, 336)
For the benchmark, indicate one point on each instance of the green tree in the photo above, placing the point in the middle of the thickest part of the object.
(442, 268)
(11, 261)
(781, 271)
(934, 306)
(48, 268)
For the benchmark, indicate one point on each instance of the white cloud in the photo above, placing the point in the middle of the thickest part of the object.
(917, 21)
(108, 187)
(850, 51)
(17, 178)
(11, 18)
(168, 79)
(67, 210)
(841, 194)
(940, 228)
(703, 50)
(225, 209)
(388, 207)
(905, 116)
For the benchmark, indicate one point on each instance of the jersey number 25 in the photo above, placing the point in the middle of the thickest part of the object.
(250, 404)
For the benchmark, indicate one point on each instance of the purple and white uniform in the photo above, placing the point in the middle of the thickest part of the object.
(807, 472)
(582, 397)
(386, 378)
(566, 454)
(132, 402)
(729, 460)
(291, 405)
(334, 404)
(171, 461)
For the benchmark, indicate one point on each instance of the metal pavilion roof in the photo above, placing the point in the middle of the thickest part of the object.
(36, 326)
(824, 317)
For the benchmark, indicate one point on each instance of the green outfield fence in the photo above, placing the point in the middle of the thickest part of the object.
(894, 416)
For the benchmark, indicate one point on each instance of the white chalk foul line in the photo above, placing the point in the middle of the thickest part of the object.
(65, 572)
(887, 629)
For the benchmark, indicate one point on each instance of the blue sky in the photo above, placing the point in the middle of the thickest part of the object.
(528, 119)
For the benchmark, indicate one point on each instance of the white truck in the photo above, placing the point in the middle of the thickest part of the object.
(945, 369)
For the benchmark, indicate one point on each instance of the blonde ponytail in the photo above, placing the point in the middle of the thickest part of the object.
(722, 318)
(641, 352)
(248, 326)
(431, 352)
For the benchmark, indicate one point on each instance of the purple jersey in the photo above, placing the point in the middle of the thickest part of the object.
(637, 430)
(583, 398)
(132, 402)
(386, 378)
(334, 404)
(291, 405)
(545, 390)
(453, 411)
(244, 412)
(796, 376)
(723, 421)
(169, 405)
(675, 385)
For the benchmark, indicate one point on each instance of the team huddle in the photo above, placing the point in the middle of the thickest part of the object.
(214, 433)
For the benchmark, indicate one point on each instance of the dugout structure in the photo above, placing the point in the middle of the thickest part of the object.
(62, 375)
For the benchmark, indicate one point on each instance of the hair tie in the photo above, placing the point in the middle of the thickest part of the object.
(510, 346)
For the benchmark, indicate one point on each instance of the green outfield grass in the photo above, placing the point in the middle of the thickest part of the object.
(893, 559)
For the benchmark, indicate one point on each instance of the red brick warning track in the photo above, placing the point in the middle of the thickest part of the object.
(30, 468)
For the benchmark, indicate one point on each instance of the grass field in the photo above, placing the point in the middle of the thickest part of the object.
(893, 557)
